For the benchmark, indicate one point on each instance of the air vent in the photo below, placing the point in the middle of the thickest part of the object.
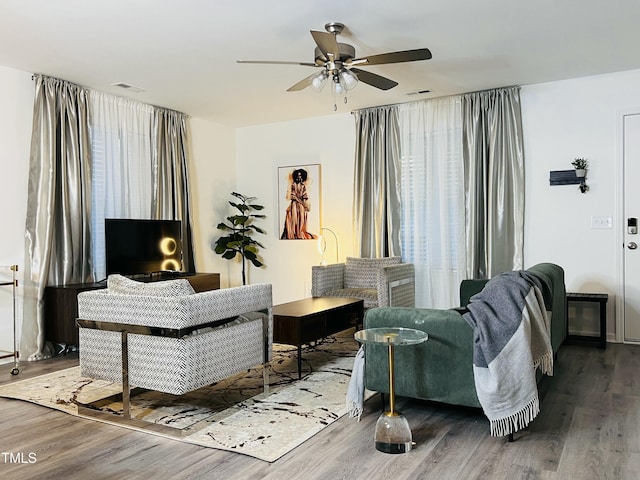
(128, 86)
(419, 92)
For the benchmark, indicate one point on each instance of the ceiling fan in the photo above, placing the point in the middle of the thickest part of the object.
(339, 64)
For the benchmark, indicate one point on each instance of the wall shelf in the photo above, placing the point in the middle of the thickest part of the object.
(564, 177)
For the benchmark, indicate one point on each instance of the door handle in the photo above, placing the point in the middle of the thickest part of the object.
(632, 245)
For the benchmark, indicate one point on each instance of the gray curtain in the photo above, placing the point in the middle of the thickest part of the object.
(376, 202)
(171, 189)
(494, 181)
(57, 230)
(58, 224)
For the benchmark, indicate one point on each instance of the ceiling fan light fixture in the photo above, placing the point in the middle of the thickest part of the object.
(337, 85)
(319, 80)
(338, 63)
(348, 79)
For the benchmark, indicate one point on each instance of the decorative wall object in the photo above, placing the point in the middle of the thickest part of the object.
(581, 165)
(299, 202)
(572, 177)
(564, 177)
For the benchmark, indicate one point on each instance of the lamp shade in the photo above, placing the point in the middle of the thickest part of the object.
(319, 80)
(337, 85)
(348, 79)
(322, 244)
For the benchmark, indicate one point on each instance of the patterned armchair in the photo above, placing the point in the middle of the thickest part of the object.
(162, 336)
(380, 282)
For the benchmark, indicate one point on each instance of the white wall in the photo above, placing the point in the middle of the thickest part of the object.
(328, 141)
(563, 120)
(16, 107)
(212, 175)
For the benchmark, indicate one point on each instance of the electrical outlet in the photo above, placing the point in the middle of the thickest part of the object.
(601, 222)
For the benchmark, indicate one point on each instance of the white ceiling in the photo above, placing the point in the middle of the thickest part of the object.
(183, 53)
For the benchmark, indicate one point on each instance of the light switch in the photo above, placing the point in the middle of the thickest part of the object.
(601, 222)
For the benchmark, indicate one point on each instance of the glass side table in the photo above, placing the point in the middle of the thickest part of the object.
(393, 434)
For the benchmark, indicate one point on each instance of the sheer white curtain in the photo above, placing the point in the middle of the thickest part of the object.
(123, 168)
(433, 201)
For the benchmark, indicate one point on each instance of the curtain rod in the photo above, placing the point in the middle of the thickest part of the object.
(433, 98)
(164, 109)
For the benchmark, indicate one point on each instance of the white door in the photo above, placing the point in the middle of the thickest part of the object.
(631, 208)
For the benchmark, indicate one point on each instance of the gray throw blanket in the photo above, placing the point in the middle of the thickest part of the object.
(355, 392)
(511, 340)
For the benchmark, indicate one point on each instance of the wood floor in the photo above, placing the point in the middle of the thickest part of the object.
(589, 428)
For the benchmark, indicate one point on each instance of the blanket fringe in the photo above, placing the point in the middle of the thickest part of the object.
(545, 364)
(504, 426)
(355, 410)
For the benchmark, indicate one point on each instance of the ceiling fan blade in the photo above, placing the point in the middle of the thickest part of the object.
(276, 62)
(327, 43)
(373, 79)
(394, 57)
(302, 84)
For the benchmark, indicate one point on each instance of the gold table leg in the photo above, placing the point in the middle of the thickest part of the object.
(392, 382)
(393, 434)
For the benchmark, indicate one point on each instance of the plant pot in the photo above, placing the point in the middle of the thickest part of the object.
(581, 172)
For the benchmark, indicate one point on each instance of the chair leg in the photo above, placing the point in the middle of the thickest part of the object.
(265, 375)
(266, 363)
(126, 392)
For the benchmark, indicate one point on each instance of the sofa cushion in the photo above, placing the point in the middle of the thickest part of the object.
(167, 288)
(468, 288)
(363, 272)
(369, 295)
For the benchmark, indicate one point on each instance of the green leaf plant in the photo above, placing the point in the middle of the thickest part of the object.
(580, 163)
(240, 227)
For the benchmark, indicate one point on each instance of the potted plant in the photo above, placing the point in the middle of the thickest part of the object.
(240, 228)
(581, 165)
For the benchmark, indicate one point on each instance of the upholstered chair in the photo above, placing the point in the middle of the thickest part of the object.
(177, 340)
(380, 282)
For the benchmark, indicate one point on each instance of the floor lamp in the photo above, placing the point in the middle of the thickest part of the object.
(322, 245)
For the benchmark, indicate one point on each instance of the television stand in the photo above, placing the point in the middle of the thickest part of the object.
(171, 275)
(159, 276)
(61, 303)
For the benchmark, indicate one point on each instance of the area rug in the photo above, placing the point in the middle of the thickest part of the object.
(233, 415)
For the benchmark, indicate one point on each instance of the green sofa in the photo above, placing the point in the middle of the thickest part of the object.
(441, 369)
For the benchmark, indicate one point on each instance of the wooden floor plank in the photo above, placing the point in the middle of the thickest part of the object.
(588, 428)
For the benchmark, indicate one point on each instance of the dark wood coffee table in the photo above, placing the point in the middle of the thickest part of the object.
(303, 321)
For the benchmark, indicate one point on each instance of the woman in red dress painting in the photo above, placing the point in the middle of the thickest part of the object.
(295, 223)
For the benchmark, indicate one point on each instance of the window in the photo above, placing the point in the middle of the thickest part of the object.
(121, 148)
(432, 183)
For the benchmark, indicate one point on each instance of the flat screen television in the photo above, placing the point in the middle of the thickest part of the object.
(137, 247)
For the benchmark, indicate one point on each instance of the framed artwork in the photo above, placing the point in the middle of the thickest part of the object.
(299, 202)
